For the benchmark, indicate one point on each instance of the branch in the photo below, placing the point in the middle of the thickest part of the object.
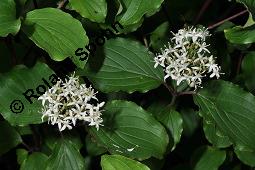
(170, 89)
(187, 93)
(172, 101)
(227, 19)
(26, 146)
(201, 12)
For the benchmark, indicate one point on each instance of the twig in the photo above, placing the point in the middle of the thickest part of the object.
(187, 93)
(61, 4)
(173, 93)
(227, 19)
(201, 12)
(176, 94)
(172, 101)
(170, 89)
(26, 146)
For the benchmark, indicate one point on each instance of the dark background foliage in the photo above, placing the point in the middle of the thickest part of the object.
(19, 49)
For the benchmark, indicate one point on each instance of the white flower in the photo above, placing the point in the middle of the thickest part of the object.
(45, 97)
(188, 58)
(69, 101)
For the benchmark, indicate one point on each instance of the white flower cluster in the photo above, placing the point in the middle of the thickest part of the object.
(186, 58)
(69, 101)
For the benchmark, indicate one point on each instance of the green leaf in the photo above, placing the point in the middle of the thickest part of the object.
(224, 26)
(240, 35)
(208, 158)
(94, 10)
(154, 163)
(114, 162)
(190, 121)
(173, 123)
(18, 81)
(156, 107)
(250, 4)
(250, 21)
(92, 147)
(22, 155)
(51, 138)
(131, 131)
(127, 66)
(135, 10)
(8, 21)
(246, 155)
(24, 130)
(65, 156)
(214, 135)
(231, 109)
(56, 32)
(9, 137)
(34, 161)
(248, 68)
(159, 37)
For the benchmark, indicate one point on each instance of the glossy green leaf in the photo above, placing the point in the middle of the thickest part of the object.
(18, 81)
(126, 66)
(94, 10)
(8, 21)
(116, 162)
(214, 135)
(231, 109)
(240, 35)
(9, 137)
(34, 161)
(132, 17)
(246, 155)
(131, 131)
(250, 4)
(248, 69)
(56, 32)
(156, 109)
(208, 158)
(65, 156)
(173, 123)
